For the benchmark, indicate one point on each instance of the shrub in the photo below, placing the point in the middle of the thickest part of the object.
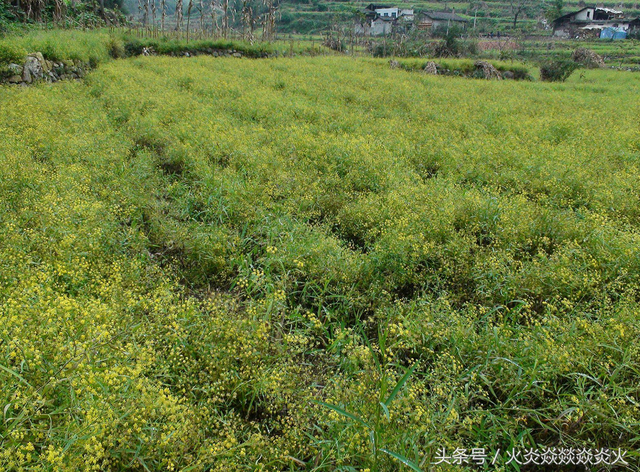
(557, 70)
(452, 45)
(8, 17)
(11, 53)
(471, 47)
(116, 48)
(133, 47)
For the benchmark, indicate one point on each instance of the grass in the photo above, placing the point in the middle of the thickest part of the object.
(98, 46)
(615, 53)
(196, 254)
(467, 67)
(58, 45)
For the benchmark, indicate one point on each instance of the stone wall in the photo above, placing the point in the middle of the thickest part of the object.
(37, 69)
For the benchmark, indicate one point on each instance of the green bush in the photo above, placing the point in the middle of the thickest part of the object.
(116, 48)
(557, 70)
(11, 53)
(133, 47)
(8, 17)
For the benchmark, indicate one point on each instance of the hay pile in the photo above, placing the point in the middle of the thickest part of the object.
(587, 58)
(431, 68)
(486, 70)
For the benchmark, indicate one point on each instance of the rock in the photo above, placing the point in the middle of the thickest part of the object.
(431, 68)
(37, 55)
(486, 70)
(67, 63)
(237, 54)
(32, 70)
(43, 62)
(15, 79)
(15, 69)
(508, 75)
(394, 64)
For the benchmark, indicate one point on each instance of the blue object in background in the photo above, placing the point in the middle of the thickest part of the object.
(613, 33)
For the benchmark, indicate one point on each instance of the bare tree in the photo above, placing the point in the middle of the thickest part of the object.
(179, 14)
(163, 5)
(269, 20)
(517, 8)
(59, 8)
(213, 18)
(146, 12)
(225, 18)
(247, 21)
(201, 8)
(189, 17)
(34, 9)
(153, 16)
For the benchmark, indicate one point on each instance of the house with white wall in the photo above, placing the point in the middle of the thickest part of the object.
(380, 20)
(589, 21)
(434, 19)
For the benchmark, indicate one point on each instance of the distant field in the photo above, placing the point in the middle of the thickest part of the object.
(615, 53)
(195, 251)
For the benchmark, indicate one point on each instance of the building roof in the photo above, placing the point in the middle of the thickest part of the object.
(374, 7)
(443, 16)
(568, 16)
(609, 10)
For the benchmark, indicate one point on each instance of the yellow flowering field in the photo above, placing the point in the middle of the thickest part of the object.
(318, 264)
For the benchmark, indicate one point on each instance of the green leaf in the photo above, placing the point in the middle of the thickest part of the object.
(400, 384)
(385, 409)
(15, 374)
(403, 459)
(345, 413)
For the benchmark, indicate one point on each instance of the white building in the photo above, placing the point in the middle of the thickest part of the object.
(388, 12)
(589, 21)
(381, 26)
(382, 19)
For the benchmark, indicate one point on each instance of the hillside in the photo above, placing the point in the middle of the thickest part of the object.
(316, 16)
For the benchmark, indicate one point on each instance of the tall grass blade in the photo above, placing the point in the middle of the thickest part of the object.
(412, 465)
(344, 413)
(400, 384)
